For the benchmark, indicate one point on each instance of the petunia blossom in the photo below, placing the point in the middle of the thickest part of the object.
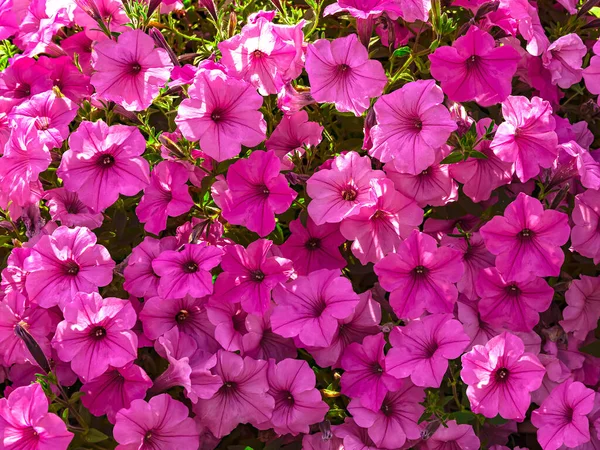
(527, 136)
(473, 68)
(260, 342)
(412, 124)
(527, 239)
(104, 161)
(343, 190)
(500, 377)
(249, 275)
(583, 306)
(130, 71)
(585, 236)
(96, 334)
(222, 113)
(564, 58)
(309, 307)
(341, 72)
(420, 276)
(23, 78)
(421, 349)
(65, 207)
(111, 12)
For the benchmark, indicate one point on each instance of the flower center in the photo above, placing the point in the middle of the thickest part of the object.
(313, 244)
(42, 123)
(349, 193)
(501, 375)
(182, 316)
(425, 173)
(136, 68)
(420, 270)
(418, 124)
(71, 268)
(216, 115)
(512, 289)
(379, 214)
(257, 54)
(343, 68)
(106, 161)
(148, 435)
(190, 267)
(257, 275)
(99, 333)
(526, 234)
(377, 369)
(472, 61)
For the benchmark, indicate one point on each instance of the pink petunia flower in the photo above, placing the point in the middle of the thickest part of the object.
(48, 114)
(366, 375)
(514, 305)
(245, 385)
(420, 276)
(26, 424)
(500, 376)
(422, 349)
(67, 78)
(260, 342)
(96, 334)
(412, 124)
(585, 236)
(249, 275)
(291, 135)
(562, 417)
(23, 78)
(397, 419)
(309, 307)
(452, 436)
(104, 161)
(313, 247)
(229, 320)
(575, 161)
(111, 12)
(298, 403)
(187, 271)
(343, 190)
(166, 196)
(38, 27)
(340, 72)
(64, 263)
(564, 58)
(379, 229)
(159, 424)
(222, 113)
(130, 71)
(114, 390)
(81, 45)
(583, 306)
(527, 239)
(475, 69)
(527, 136)
(255, 192)
(320, 441)
(66, 208)
(413, 10)
(556, 373)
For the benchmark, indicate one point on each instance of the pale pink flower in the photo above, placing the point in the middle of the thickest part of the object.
(583, 306)
(341, 72)
(413, 10)
(527, 136)
(354, 436)
(222, 113)
(130, 71)
(556, 373)
(412, 124)
(38, 27)
(104, 161)
(66, 208)
(575, 161)
(475, 69)
(564, 58)
(420, 276)
(343, 190)
(585, 236)
(527, 239)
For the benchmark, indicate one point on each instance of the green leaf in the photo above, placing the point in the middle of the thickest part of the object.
(477, 155)
(401, 51)
(452, 158)
(94, 436)
(463, 417)
(592, 349)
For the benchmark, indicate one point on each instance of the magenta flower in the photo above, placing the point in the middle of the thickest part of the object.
(64, 263)
(422, 349)
(103, 162)
(501, 376)
(67, 78)
(115, 389)
(353, 436)
(262, 56)
(186, 271)
(249, 275)
(222, 113)
(365, 374)
(260, 342)
(160, 424)
(82, 45)
(562, 417)
(412, 124)
(379, 229)
(527, 136)
(585, 236)
(583, 306)
(111, 12)
(245, 385)
(420, 276)
(96, 334)
(514, 305)
(556, 373)
(130, 71)
(48, 114)
(313, 247)
(527, 239)
(564, 58)
(26, 424)
(343, 190)
(23, 78)
(38, 27)
(309, 307)
(452, 436)
(66, 208)
(365, 9)
(256, 191)
(397, 419)
(575, 161)
(341, 72)
(291, 135)
(298, 403)
(166, 196)
(475, 69)
(229, 320)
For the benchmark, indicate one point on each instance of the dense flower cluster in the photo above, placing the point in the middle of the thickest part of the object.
(304, 224)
